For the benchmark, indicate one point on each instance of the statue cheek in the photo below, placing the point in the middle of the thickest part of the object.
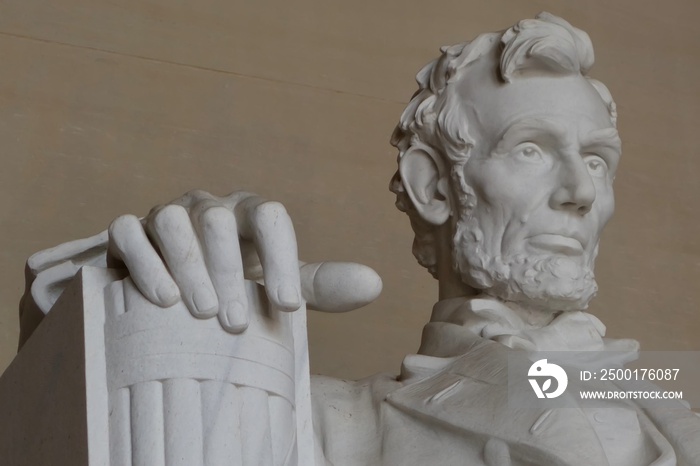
(605, 207)
(500, 226)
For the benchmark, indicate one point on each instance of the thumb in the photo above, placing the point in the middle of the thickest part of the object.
(338, 286)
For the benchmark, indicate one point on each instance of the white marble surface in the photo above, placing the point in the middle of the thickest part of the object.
(508, 154)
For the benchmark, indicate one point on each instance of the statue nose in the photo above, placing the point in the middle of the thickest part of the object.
(576, 191)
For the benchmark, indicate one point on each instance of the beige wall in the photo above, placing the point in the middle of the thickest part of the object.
(113, 107)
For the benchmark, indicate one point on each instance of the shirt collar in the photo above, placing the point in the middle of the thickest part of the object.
(455, 320)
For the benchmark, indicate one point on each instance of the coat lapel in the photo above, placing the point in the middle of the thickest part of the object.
(471, 396)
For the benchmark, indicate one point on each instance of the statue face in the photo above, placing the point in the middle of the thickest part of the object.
(542, 173)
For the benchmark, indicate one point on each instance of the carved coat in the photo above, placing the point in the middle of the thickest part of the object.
(453, 410)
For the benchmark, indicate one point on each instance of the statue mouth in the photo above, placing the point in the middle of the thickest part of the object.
(557, 243)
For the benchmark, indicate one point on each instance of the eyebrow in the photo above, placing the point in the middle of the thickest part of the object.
(554, 133)
(607, 138)
(527, 129)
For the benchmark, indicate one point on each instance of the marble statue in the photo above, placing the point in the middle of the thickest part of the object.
(507, 156)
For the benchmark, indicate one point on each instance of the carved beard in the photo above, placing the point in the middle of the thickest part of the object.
(545, 282)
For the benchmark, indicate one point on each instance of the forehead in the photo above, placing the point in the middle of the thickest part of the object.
(493, 107)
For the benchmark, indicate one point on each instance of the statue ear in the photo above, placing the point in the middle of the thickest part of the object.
(424, 178)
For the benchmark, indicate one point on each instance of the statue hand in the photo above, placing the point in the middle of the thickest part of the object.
(200, 248)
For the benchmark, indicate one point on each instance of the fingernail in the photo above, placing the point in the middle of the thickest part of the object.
(168, 294)
(288, 296)
(205, 302)
(236, 317)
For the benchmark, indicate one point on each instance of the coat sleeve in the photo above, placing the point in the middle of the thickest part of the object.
(48, 272)
(347, 419)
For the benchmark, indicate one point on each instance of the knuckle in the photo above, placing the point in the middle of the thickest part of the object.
(196, 194)
(193, 197)
(269, 210)
(236, 197)
(122, 224)
(215, 216)
(154, 211)
(198, 208)
(169, 215)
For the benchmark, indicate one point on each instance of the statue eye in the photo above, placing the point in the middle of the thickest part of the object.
(529, 152)
(596, 165)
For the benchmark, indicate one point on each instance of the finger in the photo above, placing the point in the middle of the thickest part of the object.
(268, 225)
(218, 236)
(129, 243)
(171, 229)
(339, 286)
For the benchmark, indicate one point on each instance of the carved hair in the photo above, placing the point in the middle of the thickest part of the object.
(546, 44)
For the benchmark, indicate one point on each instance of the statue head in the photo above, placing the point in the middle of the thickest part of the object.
(507, 155)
